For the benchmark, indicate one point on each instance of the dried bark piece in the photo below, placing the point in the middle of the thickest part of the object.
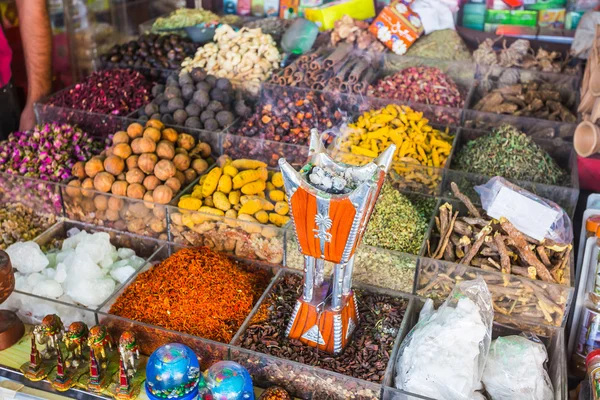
(541, 251)
(525, 252)
(466, 201)
(477, 245)
(504, 257)
(463, 229)
(446, 236)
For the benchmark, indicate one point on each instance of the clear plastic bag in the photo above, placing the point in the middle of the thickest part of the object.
(444, 355)
(515, 369)
(529, 213)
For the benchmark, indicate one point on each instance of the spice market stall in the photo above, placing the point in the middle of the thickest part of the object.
(213, 199)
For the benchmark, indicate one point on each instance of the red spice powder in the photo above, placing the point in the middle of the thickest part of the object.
(195, 291)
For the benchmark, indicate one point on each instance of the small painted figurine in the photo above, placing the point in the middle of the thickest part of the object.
(96, 381)
(98, 339)
(37, 368)
(75, 338)
(129, 350)
(49, 332)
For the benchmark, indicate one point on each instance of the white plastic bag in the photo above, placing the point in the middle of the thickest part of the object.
(532, 215)
(443, 356)
(515, 370)
(435, 15)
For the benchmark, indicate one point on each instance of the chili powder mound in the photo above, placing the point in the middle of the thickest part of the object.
(195, 291)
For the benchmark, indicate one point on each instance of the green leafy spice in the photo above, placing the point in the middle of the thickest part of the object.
(397, 223)
(509, 153)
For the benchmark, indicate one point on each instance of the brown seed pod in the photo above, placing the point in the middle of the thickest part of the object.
(164, 170)
(136, 191)
(152, 134)
(143, 145)
(186, 141)
(122, 150)
(169, 134)
(103, 181)
(174, 184)
(154, 123)
(115, 203)
(147, 162)
(120, 137)
(101, 202)
(88, 183)
(199, 165)
(190, 175)
(163, 194)
(119, 188)
(93, 167)
(114, 165)
(165, 150)
(135, 176)
(135, 130)
(181, 162)
(72, 189)
(151, 182)
(78, 170)
(132, 162)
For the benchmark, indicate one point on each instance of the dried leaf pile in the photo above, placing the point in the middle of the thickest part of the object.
(532, 99)
(496, 245)
(509, 153)
(445, 44)
(519, 54)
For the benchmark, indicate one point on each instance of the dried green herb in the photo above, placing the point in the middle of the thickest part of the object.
(509, 153)
(397, 223)
(441, 45)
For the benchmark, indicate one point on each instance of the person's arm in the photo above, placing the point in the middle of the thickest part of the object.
(36, 36)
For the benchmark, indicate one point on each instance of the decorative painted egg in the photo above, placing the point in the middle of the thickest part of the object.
(227, 380)
(275, 393)
(172, 372)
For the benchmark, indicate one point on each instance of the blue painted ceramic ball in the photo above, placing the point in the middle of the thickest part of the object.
(172, 372)
(228, 380)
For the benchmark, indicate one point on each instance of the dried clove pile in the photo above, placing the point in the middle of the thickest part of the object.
(509, 153)
(480, 241)
(532, 99)
(339, 70)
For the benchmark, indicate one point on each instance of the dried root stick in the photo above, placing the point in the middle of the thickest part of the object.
(446, 238)
(526, 254)
(479, 239)
(504, 258)
(541, 251)
(466, 201)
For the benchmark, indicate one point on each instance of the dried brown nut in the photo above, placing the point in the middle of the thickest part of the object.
(186, 141)
(136, 191)
(114, 165)
(149, 199)
(181, 162)
(164, 170)
(135, 176)
(165, 150)
(190, 175)
(199, 165)
(120, 137)
(174, 184)
(94, 166)
(135, 130)
(147, 162)
(151, 182)
(122, 150)
(163, 194)
(119, 188)
(103, 181)
(154, 123)
(78, 170)
(88, 183)
(101, 202)
(143, 145)
(72, 189)
(115, 203)
(152, 134)
(132, 162)
(169, 134)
